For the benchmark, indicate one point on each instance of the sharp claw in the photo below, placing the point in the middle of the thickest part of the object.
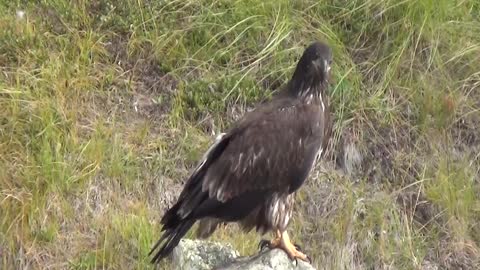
(309, 259)
(296, 261)
(263, 243)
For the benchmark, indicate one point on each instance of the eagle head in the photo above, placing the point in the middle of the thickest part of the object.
(316, 60)
(313, 68)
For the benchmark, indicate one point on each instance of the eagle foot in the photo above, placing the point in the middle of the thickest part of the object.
(295, 254)
(282, 241)
(293, 251)
(271, 244)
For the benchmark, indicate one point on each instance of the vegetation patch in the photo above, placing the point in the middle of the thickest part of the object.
(106, 106)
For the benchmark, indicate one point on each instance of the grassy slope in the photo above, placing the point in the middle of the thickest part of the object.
(104, 109)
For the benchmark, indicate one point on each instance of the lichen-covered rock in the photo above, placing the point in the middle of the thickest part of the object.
(202, 255)
(275, 259)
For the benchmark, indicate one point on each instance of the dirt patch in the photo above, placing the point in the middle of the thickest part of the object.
(389, 155)
(377, 152)
(154, 94)
(418, 208)
(466, 139)
(152, 89)
(347, 154)
(163, 193)
(321, 197)
(50, 18)
(457, 254)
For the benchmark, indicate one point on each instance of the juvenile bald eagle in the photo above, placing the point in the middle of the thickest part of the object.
(251, 172)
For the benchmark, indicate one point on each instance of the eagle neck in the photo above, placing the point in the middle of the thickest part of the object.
(307, 89)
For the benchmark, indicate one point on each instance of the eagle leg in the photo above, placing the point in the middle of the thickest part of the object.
(282, 241)
(293, 251)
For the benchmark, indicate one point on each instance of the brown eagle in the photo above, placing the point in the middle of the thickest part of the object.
(251, 172)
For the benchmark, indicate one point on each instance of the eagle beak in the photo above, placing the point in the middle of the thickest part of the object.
(322, 68)
(328, 74)
(316, 66)
(330, 78)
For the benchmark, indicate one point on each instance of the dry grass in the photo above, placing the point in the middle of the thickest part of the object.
(105, 107)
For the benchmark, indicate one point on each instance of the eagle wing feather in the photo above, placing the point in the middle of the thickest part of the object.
(273, 149)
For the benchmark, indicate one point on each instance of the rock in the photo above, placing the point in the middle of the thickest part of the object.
(206, 255)
(275, 259)
(201, 255)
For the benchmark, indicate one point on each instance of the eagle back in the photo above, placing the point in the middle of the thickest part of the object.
(272, 148)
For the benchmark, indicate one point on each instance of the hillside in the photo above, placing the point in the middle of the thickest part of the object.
(106, 106)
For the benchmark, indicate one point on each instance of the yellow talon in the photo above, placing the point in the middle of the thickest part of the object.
(282, 241)
(290, 248)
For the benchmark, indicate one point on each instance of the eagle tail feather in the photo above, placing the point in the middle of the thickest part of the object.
(181, 216)
(171, 218)
(170, 240)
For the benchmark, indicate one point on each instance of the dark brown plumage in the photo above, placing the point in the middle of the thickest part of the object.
(251, 172)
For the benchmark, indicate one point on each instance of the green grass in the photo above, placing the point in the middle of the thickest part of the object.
(106, 106)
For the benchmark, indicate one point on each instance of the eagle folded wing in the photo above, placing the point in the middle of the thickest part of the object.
(275, 153)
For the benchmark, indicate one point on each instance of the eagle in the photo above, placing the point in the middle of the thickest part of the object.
(251, 173)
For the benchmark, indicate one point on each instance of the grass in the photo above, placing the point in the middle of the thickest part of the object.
(106, 106)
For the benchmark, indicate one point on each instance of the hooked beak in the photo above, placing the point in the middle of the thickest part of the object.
(326, 66)
(316, 66)
(323, 70)
(326, 71)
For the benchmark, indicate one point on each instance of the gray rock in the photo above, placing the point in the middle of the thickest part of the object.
(205, 255)
(201, 255)
(275, 259)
